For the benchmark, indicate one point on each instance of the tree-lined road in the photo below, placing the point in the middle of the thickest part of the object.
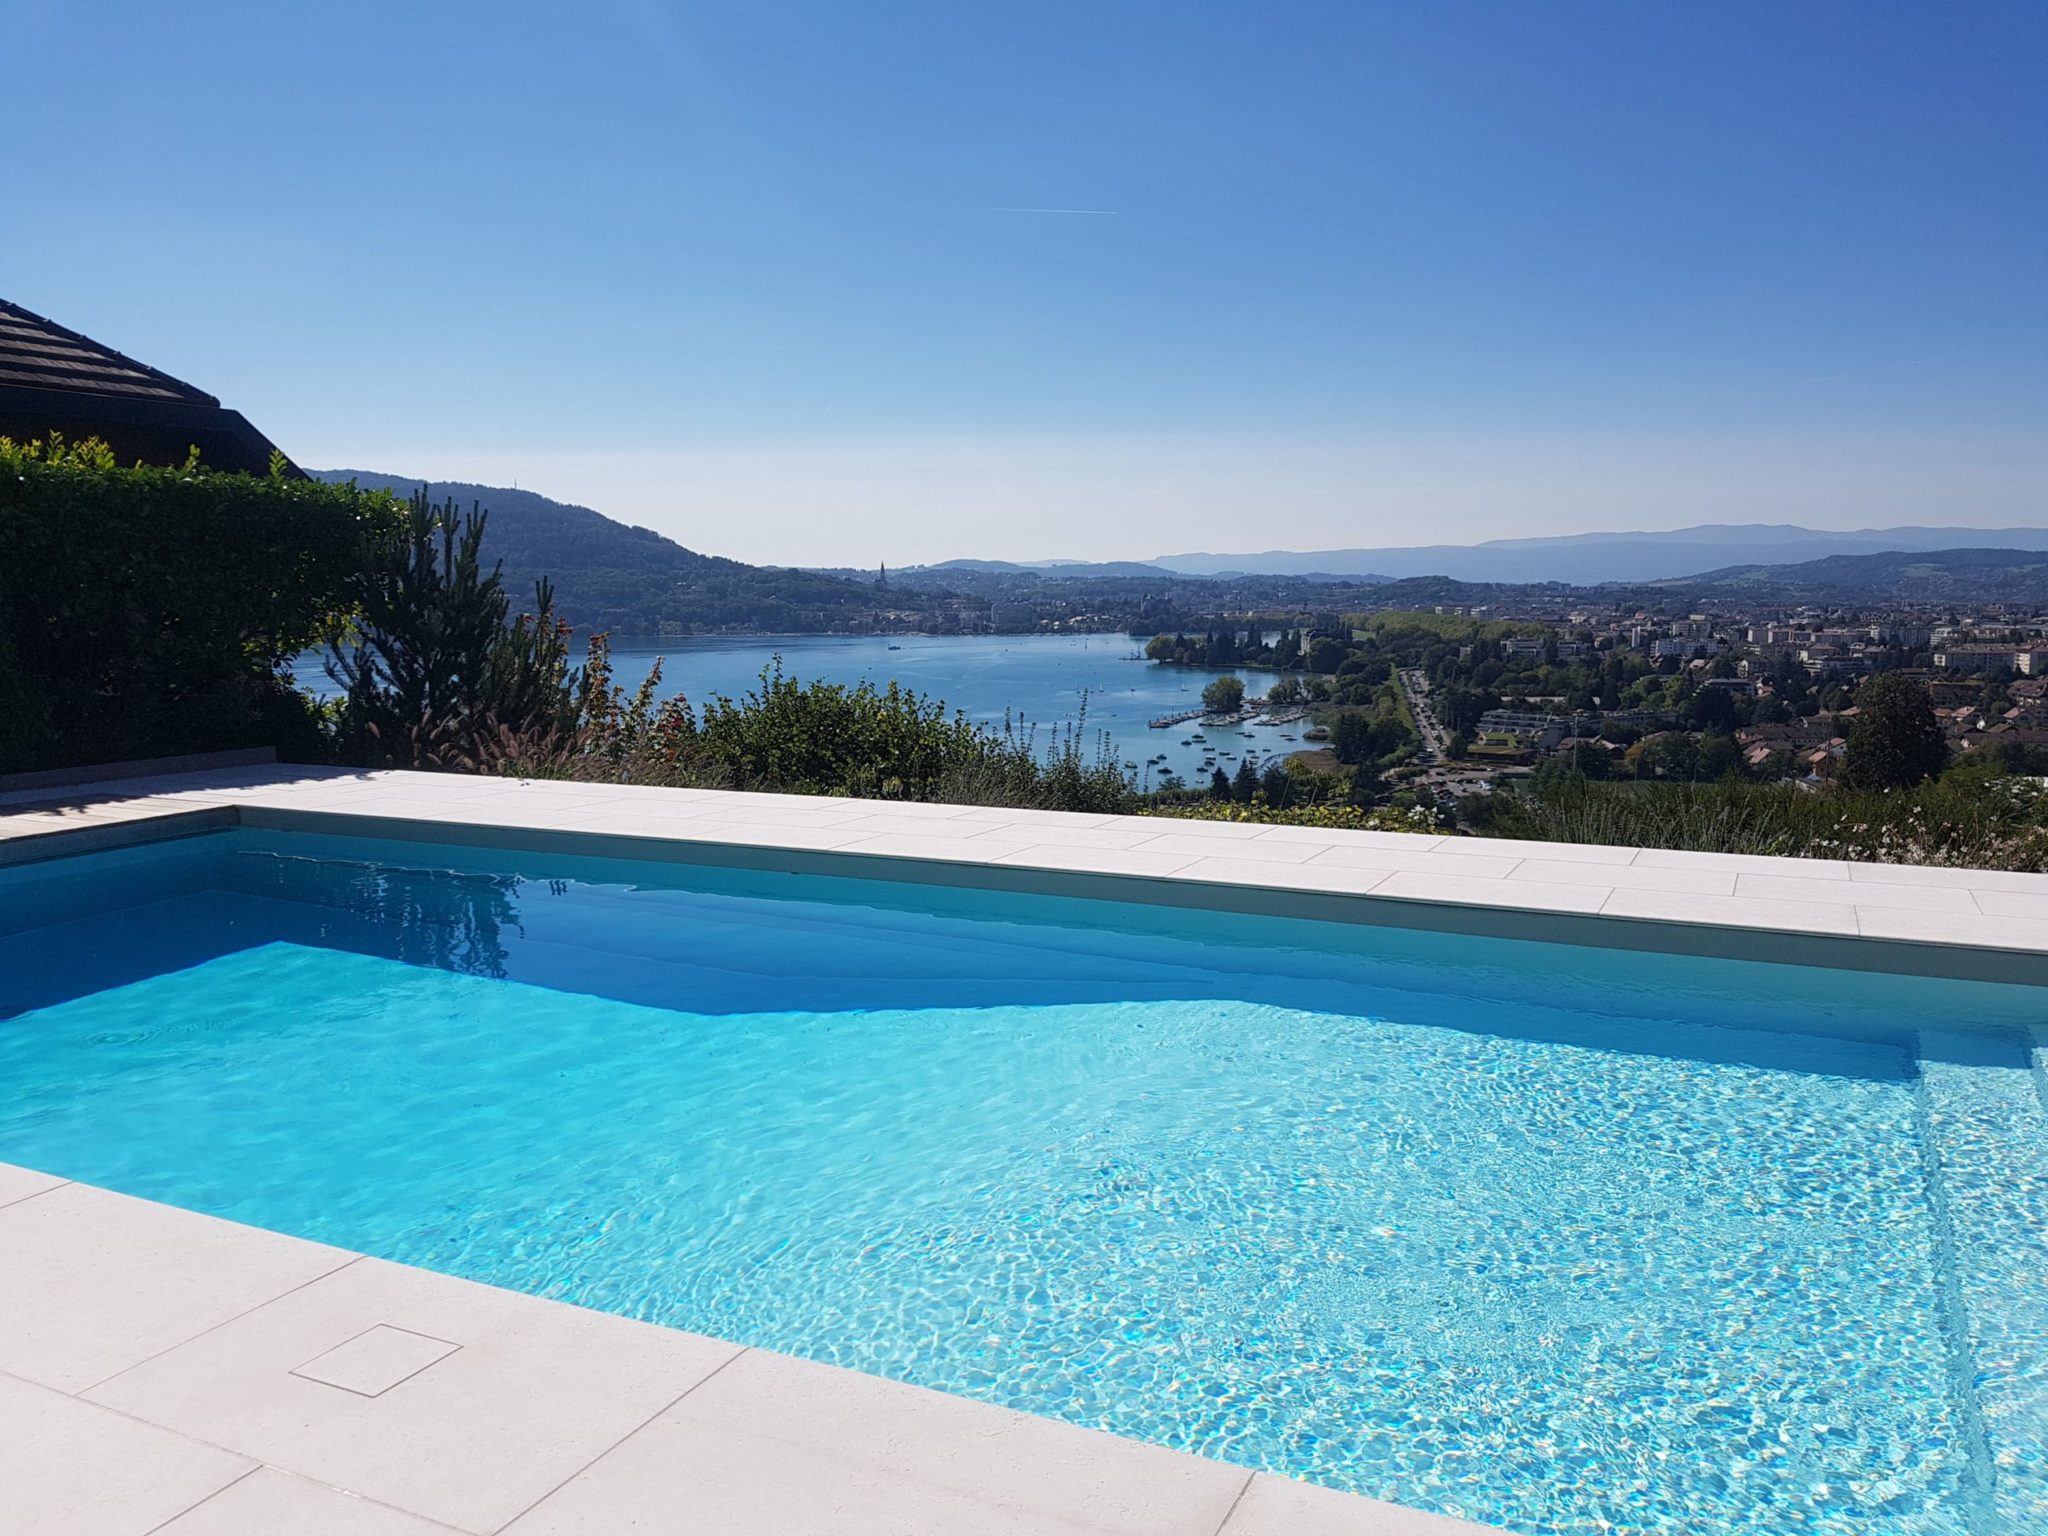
(1438, 772)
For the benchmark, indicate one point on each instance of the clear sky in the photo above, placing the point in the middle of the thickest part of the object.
(776, 278)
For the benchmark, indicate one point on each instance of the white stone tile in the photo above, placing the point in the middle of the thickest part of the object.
(1420, 862)
(1343, 837)
(272, 1503)
(542, 815)
(1342, 881)
(975, 849)
(2016, 881)
(1278, 1506)
(376, 1360)
(910, 810)
(100, 812)
(1104, 861)
(393, 807)
(1255, 848)
(1031, 817)
(773, 811)
(125, 813)
(680, 1478)
(1522, 848)
(1858, 893)
(1129, 834)
(2013, 904)
(36, 823)
(670, 795)
(1979, 932)
(92, 1282)
(1012, 1461)
(1192, 826)
(1733, 911)
(1629, 877)
(537, 1391)
(884, 823)
(1489, 891)
(650, 821)
(21, 1183)
(70, 1469)
(1742, 863)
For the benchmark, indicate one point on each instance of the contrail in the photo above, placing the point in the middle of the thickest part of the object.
(1110, 211)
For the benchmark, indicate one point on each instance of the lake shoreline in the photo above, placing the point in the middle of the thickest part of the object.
(1096, 682)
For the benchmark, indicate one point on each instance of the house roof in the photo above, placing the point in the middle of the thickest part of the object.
(55, 380)
(41, 354)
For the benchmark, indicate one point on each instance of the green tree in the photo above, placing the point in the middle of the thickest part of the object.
(1896, 742)
(437, 668)
(1325, 654)
(1366, 786)
(1246, 782)
(1711, 709)
(1223, 696)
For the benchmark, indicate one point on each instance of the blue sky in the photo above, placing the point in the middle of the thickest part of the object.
(1362, 273)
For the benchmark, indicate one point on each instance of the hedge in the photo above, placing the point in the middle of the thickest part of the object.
(148, 611)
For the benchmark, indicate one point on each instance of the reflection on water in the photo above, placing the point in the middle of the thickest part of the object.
(449, 920)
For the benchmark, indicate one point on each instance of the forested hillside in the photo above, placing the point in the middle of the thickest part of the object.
(609, 575)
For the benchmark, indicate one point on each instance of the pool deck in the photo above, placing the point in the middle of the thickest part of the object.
(165, 1372)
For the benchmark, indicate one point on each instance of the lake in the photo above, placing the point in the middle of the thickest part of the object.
(1039, 679)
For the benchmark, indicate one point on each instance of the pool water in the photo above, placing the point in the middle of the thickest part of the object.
(1566, 1240)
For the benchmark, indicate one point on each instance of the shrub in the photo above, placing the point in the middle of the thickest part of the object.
(895, 744)
(1350, 818)
(148, 611)
(792, 737)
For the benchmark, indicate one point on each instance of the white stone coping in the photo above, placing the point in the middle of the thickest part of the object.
(164, 1373)
(1978, 924)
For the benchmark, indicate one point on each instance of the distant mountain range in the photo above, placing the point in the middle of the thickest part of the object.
(1585, 559)
(1922, 577)
(609, 575)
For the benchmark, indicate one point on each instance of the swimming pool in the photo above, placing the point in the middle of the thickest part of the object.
(1563, 1239)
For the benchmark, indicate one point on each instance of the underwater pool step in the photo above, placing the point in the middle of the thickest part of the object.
(1987, 1145)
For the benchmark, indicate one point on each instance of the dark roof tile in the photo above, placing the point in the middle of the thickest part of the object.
(41, 354)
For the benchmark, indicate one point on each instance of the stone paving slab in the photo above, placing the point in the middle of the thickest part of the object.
(534, 1393)
(272, 1503)
(76, 1257)
(74, 1469)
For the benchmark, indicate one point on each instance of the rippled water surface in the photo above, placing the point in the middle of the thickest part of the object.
(1564, 1240)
